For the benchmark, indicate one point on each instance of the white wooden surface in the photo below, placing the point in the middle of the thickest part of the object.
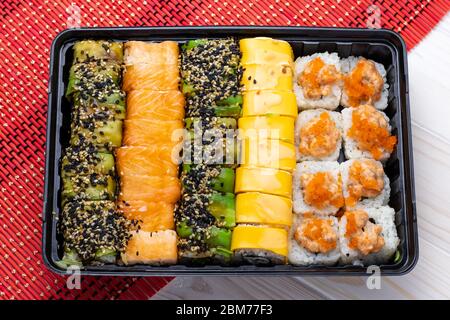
(429, 69)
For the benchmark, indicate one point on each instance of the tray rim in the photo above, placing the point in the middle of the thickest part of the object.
(382, 35)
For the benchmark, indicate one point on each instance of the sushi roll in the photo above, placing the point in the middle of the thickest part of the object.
(93, 231)
(368, 236)
(104, 135)
(150, 216)
(367, 133)
(107, 106)
(259, 244)
(314, 240)
(267, 153)
(318, 135)
(318, 81)
(148, 132)
(317, 188)
(155, 105)
(270, 127)
(262, 208)
(211, 75)
(152, 248)
(269, 103)
(150, 77)
(202, 178)
(262, 50)
(265, 180)
(140, 52)
(152, 160)
(92, 186)
(79, 161)
(364, 183)
(364, 82)
(149, 188)
(267, 77)
(89, 50)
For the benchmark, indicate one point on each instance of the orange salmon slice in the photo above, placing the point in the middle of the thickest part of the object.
(154, 248)
(149, 188)
(146, 132)
(155, 105)
(152, 160)
(151, 76)
(152, 216)
(165, 52)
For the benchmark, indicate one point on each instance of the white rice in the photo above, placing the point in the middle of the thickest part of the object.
(300, 206)
(380, 200)
(301, 256)
(306, 116)
(348, 65)
(351, 148)
(329, 102)
(383, 216)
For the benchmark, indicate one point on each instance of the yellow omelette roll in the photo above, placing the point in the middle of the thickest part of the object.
(256, 207)
(267, 77)
(272, 181)
(268, 153)
(270, 127)
(269, 102)
(260, 237)
(263, 50)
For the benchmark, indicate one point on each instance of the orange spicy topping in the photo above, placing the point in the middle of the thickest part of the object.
(370, 130)
(319, 137)
(365, 179)
(316, 235)
(321, 189)
(363, 84)
(363, 235)
(317, 78)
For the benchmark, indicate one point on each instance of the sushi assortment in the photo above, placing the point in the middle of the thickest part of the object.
(232, 153)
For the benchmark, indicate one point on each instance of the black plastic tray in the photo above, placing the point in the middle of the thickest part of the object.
(383, 46)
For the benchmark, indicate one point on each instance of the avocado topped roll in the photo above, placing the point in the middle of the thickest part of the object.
(103, 134)
(109, 105)
(211, 75)
(201, 178)
(92, 186)
(88, 50)
(94, 232)
(78, 161)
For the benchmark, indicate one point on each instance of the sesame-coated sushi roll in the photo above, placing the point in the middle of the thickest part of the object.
(104, 135)
(364, 183)
(318, 135)
(364, 83)
(317, 188)
(368, 236)
(89, 50)
(79, 161)
(202, 178)
(88, 187)
(314, 240)
(93, 231)
(105, 106)
(367, 133)
(259, 244)
(317, 81)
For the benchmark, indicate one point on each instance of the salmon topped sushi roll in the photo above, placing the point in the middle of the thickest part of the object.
(144, 132)
(162, 53)
(150, 216)
(151, 77)
(317, 188)
(364, 83)
(150, 188)
(318, 135)
(318, 81)
(314, 240)
(155, 105)
(367, 133)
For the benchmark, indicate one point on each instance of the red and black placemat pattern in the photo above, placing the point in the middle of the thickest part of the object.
(27, 30)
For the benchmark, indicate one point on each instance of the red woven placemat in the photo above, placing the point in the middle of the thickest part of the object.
(27, 29)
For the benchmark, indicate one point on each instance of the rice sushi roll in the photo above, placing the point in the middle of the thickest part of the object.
(314, 240)
(262, 208)
(155, 105)
(269, 103)
(368, 236)
(259, 244)
(364, 183)
(152, 248)
(89, 50)
(318, 135)
(367, 133)
(270, 127)
(317, 188)
(364, 82)
(263, 50)
(265, 180)
(318, 81)
(161, 53)
(93, 231)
